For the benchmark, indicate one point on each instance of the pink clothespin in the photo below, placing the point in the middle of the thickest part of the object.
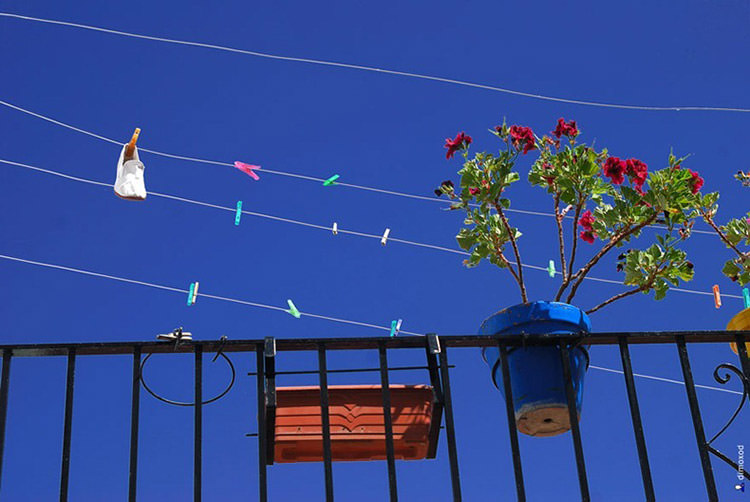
(247, 169)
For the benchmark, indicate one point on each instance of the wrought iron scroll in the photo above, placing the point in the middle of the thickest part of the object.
(745, 396)
(180, 403)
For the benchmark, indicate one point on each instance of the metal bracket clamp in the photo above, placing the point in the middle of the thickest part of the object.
(433, 342)
(269, 355)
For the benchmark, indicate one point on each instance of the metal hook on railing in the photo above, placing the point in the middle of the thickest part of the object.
(220, 352)
(180, 403)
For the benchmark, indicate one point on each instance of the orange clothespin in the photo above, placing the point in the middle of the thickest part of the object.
(131, 144)
(717, 296)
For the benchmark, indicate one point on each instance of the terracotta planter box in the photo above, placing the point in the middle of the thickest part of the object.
(356, 421)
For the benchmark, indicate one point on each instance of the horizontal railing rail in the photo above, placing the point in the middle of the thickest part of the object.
(435, 351)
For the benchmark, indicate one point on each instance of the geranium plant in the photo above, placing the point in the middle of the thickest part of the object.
(597, 198)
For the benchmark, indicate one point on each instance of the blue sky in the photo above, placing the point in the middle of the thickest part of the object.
(375, 130)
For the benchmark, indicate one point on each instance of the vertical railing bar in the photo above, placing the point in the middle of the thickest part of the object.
(388, 420)
(198, 423)
(134, 417)
(270, 396)
(574, 426)
(68, 424)
(432, 348)
(4, 382)
(325, 420)
(635, 415)
(450, 431)
(510, 411)
(261, 389)
(695, 412)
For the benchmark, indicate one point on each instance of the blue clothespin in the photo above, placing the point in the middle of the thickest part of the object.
(190, 300)
(746, 295)
(551, 269)
(396, 327)
(238, 215)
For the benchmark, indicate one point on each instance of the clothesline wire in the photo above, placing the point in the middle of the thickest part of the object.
(326, 228)
(376, 70)
(343, 65)
(281, 173)
(275, 308)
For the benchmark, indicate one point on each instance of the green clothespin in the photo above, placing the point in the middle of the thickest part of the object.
(551, 269)
(293, 310)
(190, 294)
(746, 295)
(396, 327)
(330, 181)
(238, 215)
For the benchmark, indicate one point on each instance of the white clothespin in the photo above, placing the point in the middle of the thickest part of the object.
(384, 239)
(195, 293)
(335, 228)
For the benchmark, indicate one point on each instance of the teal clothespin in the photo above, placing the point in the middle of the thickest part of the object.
(396, 327)
(551, 268)
(293, 310)
(330, 181)
(238, 215)
(746, 295)
(190, 294)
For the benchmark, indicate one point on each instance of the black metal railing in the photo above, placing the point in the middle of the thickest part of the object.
(436, 364)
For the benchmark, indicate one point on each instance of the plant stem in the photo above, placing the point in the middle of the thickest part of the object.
(500, 255)
(513, 243)
(649, 284)
(558, 220)
(721, 234)
(581, 274)
(568, 277)
(616, 297)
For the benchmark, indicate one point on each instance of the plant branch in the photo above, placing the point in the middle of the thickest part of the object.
(512, 237)
(568, 277)
(617, 297)
(558, 220)
(502, 257)
(581, 274)
(721, 234)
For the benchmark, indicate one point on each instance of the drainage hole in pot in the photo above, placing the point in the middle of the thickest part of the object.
(547, 420)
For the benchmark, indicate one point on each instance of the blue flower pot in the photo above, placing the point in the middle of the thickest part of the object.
(536, 376)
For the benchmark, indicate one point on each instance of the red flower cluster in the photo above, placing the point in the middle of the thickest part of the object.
(638, 172)
(473, 191)
(522, 136)
(697, 181)
(569, 129)
(587, 222)
(614, 168)
(461, 141)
